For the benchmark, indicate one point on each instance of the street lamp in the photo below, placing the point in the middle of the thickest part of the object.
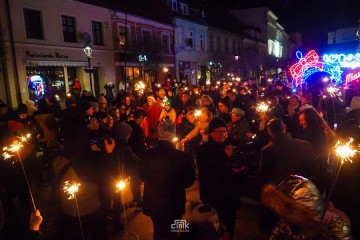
(88, 51)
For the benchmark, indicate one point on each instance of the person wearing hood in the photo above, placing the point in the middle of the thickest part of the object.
(215, 174)
(303, 213)
(153, 110)
(166, 173)
(224, 109)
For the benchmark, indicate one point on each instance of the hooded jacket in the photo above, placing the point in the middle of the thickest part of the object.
(299, 205)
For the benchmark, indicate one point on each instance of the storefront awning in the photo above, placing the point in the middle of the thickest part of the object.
(56, 63)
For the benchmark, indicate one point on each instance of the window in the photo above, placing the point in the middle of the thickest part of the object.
(165, 43)
(202, 42)
(97, 33)
(218, 47)
(191, 41)
(174, 5)
(184, 9)
(33, 24)
(68, 26)
(211, 43)
(233, 47)
(146, 35)
(122, 35)
(226, 45)
(239, 47)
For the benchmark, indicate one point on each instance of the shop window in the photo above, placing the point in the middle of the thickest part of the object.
(97, 33)
(165, 43)
(71, 72)
(68, 25)
(33, 24)
(46, 80)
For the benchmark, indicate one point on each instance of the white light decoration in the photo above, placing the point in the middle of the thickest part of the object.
(88, 50)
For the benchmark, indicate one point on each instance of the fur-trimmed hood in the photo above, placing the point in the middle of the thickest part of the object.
(297, 201)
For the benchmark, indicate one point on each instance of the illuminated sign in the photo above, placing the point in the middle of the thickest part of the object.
(311, 64)
(142, 58)
(345, 61)
(352, 77)
(37, 83)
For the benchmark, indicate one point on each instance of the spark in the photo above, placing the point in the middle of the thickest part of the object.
(71, 189)
(334, 92)
(120, 185)
(253, 136)
(13, 147)
(234, 90)
(25, 138)
(6, 155)
(262, 107)
(345, 151)
(175, 139)
(197, 113)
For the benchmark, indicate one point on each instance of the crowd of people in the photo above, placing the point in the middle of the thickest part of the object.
(171, 135)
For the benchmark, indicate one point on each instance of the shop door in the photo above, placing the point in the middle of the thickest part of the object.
(96, 83)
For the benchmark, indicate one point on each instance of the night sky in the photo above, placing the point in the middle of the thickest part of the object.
(311, 18)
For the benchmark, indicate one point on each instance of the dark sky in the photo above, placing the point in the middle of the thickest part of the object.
(311, 18)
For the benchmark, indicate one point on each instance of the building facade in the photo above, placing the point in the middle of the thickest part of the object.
(143, 49)
(43, 44)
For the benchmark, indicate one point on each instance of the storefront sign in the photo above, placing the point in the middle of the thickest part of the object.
(46, 55)
(352, 77)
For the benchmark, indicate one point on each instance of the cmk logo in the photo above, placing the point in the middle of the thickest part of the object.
(180, 226)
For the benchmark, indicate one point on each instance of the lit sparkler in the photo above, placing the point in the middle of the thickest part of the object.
(25, 138)
(334, 92)
(120, 185)
(7, 156)
(197, 113)
(345, 151)
(71, 189)
(262, 107)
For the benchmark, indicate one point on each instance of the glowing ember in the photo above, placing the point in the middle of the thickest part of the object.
(345, 151)
(71, 189)
(262, 107)
(120, 185)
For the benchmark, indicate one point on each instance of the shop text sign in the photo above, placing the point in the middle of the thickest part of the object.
(352, 77)
(46, 55)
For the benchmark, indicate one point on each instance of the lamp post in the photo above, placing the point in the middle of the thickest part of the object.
(88, 51)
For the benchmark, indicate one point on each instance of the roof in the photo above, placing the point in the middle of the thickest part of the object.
(151, 9)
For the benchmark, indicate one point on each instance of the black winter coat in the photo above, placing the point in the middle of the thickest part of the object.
(166, 173)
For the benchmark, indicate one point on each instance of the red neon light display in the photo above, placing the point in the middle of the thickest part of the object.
(352, 77)
(310, 60)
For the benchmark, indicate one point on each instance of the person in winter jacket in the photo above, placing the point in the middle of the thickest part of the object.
(201, 126)
(217, 186)
(166, 173)
(238, 128)
(168, 112)
(153, 110)
(302, 212)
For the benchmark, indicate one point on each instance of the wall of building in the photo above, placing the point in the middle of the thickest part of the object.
(52, 50)
(185, 53)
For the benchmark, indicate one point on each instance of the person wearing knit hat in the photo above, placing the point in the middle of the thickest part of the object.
(167, 172)
(122, 130)
(102, 103)
(168, 112)
(217, 188)
(224, 109)
(166, 131)
(238, 128)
